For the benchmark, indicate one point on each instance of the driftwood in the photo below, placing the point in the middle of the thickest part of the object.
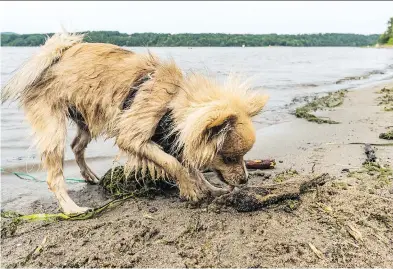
(260, 164)
(256, 164)
(254, 198)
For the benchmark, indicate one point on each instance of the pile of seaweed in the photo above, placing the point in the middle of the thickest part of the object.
(386, 99)
(333, 99)
(117, 183)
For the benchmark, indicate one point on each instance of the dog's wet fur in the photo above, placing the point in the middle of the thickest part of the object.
(168, 124)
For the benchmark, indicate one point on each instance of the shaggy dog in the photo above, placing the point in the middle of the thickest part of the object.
(167, 124)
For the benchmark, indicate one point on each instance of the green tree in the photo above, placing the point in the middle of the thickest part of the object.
(387, 36)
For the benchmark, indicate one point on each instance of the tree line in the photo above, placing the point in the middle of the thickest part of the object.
(202, 40)
(387, 36)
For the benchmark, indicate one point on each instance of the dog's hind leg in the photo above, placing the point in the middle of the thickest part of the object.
(78, 146)
(49, 125)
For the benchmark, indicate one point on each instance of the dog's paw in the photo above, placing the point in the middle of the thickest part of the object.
(90, 177)
(192, 191)
(76, 210)
(216, 192)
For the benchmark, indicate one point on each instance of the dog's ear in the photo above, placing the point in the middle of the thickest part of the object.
(256, 104)
(221, 123)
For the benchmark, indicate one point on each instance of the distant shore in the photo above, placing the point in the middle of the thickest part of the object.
(10, 39)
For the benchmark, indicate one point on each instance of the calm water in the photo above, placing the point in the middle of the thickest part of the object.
(284, 73)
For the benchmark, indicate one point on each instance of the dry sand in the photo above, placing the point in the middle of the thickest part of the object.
(348, 222)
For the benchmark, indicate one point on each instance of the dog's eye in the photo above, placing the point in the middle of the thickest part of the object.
(227, 159)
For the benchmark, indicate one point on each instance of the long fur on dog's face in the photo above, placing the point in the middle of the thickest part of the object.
(215, 127)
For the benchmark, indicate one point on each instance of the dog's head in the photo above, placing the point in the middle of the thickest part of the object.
(235, 136)
(216, 131)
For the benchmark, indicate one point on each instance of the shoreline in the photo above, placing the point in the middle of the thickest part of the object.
(175, 234)
(361, 120)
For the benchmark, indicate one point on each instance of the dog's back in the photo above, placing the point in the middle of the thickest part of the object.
(90, 80)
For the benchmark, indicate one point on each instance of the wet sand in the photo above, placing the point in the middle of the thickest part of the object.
(345, 223)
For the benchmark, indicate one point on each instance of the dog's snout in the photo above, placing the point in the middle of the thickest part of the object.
(244, 179)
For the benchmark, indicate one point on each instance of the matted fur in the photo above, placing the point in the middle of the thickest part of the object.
(212, 122)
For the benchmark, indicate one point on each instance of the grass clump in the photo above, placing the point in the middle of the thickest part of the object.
(331, 100)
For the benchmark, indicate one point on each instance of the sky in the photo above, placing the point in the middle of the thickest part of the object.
(197, 17)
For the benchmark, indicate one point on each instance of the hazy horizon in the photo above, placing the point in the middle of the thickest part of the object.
(197, 17)
(6, 32)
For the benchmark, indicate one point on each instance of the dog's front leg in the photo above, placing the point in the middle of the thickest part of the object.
(189, 184)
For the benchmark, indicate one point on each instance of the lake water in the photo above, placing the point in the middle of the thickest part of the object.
(282, 72)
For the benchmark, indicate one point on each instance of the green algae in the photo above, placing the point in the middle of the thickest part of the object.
(330, 101)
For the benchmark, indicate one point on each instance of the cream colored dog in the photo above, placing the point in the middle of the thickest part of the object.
(167, 124)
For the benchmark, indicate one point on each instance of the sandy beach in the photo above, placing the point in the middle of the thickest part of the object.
(347, 222)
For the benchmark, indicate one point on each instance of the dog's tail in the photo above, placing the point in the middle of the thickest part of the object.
(33, 69)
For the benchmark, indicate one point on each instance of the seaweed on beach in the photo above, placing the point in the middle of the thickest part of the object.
(331, 100)
(387, 135)
(117, 183)
(382, 174)
(386, 99)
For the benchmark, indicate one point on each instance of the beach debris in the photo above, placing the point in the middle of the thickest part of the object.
(260, 164)
(374, 168)
(316, 251)
(326, 208)
(372, 144)
(386, 99)
(148, 216)
(331, 100)
(285, 175)
(387, 135)
(256, 164)
(254, 198)
(35, 252)
(116, 183)
(355, 233)
(370, 153)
